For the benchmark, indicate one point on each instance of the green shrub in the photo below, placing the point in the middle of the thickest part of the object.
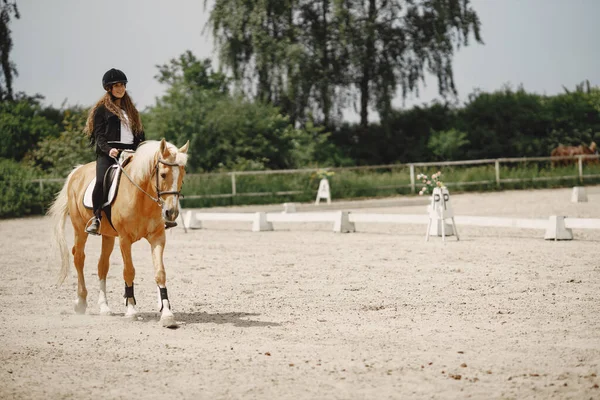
(18, 195)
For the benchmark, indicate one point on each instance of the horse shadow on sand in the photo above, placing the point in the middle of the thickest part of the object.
(238, 319)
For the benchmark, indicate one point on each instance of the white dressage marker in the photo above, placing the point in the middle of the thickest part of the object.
(323, 192)
(440, 209)
(578, 195)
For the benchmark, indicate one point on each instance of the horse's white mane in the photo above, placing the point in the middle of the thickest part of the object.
(145, 158)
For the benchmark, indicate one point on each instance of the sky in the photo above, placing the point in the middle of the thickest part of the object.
(63, 47)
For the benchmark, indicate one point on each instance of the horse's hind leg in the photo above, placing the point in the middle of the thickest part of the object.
(79, 260)
(108, 243)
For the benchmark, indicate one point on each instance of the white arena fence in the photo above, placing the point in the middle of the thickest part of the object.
(412, 184)
(414, 168)
(555, 227)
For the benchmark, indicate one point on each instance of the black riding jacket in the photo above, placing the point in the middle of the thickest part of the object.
(107, 131)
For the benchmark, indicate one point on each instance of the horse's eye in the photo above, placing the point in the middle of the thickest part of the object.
(163, 175)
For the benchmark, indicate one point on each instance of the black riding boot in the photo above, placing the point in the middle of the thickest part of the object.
(94, 227)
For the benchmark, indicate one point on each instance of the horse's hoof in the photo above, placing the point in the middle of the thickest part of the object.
(168, 321)
(104, 310)
(80, 306)
(131, 312)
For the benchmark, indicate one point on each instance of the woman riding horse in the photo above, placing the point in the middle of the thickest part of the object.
(114, 124)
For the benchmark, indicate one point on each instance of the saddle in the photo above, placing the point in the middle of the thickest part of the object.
(112, 178)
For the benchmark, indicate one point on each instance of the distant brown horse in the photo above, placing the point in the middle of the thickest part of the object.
(572, 151)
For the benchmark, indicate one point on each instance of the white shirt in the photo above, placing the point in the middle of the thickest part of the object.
(126, 134)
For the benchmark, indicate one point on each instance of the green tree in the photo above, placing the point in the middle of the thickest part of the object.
(285, 52)
(393, 43)
(22, 125)
(194, 89)
(308, 55)
(18, 196)
(7, 9)
(505, 123)
(575, 117)
(227, 131)
(58, 155)
(402, 138)
(447, 145)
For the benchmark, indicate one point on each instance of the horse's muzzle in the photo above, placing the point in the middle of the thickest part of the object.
(170, 214)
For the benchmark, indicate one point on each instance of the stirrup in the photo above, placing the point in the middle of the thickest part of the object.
(93, 226)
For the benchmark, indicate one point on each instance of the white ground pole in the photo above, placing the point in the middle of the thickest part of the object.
(578, 195)
(289, 208)
(555, 227)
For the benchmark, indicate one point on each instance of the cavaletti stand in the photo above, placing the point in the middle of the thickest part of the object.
(440, 209)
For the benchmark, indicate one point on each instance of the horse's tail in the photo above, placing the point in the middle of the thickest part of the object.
(58, 211)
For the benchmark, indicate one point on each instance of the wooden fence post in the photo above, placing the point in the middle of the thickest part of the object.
(233, 190)
(412, 178)
(42, 196)
(497, 165)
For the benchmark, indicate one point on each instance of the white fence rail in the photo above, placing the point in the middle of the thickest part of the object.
(497, 162)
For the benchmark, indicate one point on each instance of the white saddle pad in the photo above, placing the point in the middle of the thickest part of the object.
(87, 197)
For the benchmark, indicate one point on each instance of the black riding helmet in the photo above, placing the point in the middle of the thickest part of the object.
(113, 76)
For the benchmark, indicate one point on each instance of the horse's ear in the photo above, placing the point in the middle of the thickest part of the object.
(164, 150)
(185, 147)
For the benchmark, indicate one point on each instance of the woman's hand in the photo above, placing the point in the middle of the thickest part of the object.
(113, 153)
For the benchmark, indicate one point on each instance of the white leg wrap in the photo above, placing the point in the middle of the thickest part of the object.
(167, 319)
(102, 302)
(131, 311)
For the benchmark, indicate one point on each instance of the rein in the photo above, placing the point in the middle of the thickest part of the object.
(158, 200)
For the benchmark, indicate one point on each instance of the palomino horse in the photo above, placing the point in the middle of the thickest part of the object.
(572, 151)
(148, 196)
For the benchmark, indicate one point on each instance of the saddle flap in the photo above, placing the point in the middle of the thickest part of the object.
(111, 185)
(111, 182)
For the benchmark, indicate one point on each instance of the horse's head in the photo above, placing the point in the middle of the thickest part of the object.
(594, 148)
(170, 169)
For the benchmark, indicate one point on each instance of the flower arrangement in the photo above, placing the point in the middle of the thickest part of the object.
(322, 174)
(430, 184)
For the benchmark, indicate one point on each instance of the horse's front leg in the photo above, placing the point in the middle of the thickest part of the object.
(108, 243)
(157, 243)
(128, 276)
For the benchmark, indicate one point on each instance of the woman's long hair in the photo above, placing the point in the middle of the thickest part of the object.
(135, 123)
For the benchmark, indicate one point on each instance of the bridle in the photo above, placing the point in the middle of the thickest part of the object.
(158, 192)
(158, 199)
